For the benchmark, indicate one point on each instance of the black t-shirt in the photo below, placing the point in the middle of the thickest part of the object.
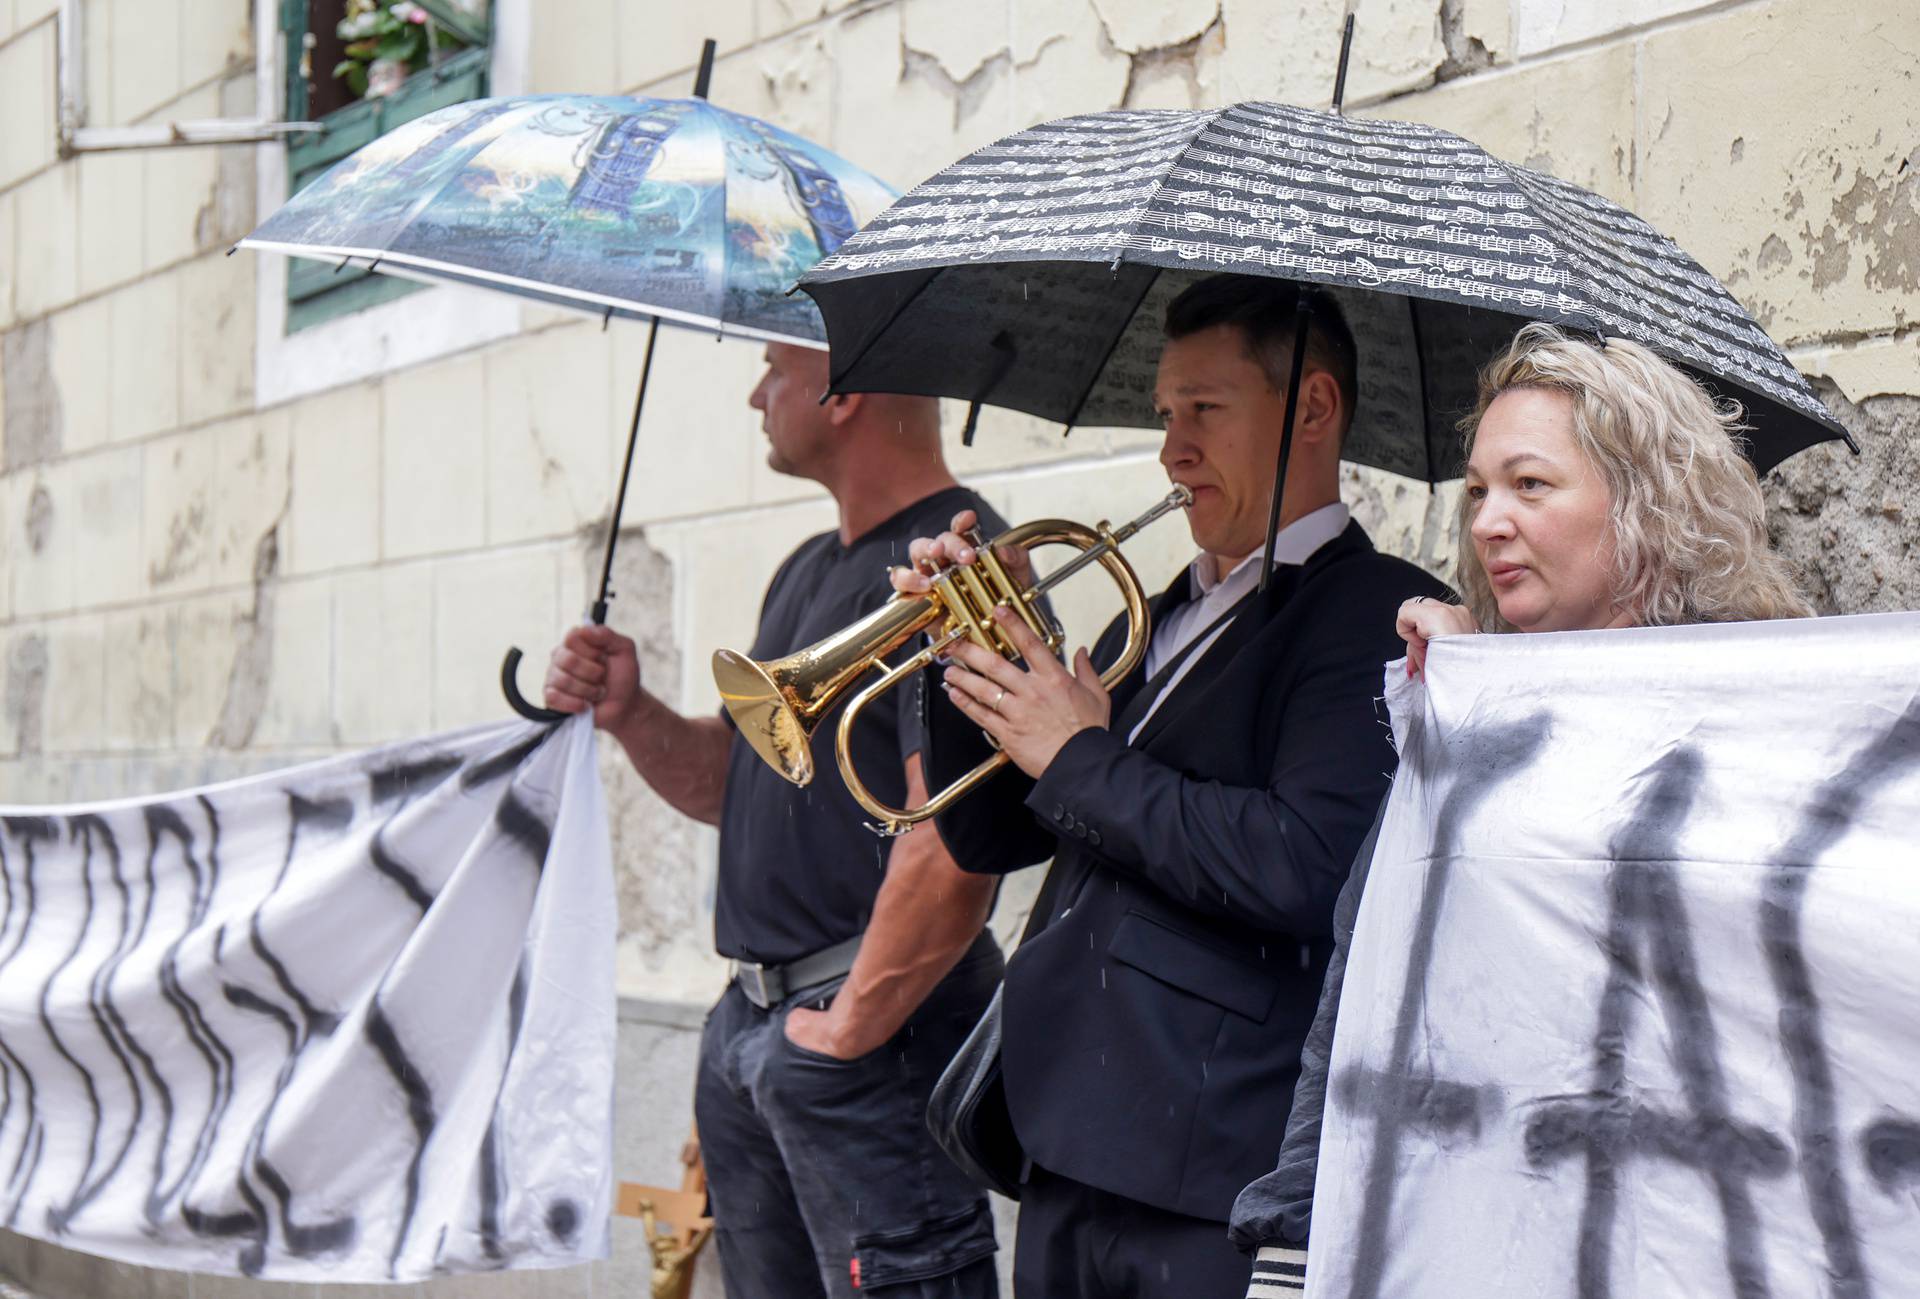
(798, 867)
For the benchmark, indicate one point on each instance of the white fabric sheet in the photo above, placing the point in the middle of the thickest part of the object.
(351, 1021)
(1633, 1004)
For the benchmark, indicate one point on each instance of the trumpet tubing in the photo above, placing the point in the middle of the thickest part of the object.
(778, 704)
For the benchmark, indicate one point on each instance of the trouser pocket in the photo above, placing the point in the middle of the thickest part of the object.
(923, 1251)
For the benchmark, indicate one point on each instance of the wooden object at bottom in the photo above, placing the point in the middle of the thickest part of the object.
(676, 1222)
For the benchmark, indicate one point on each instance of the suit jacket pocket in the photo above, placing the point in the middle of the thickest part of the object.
(1193, 966)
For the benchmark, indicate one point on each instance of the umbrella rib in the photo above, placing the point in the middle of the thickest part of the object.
(459, 169)
(1100, 366)
(833, 380)
(726, 177)
(1133, 226)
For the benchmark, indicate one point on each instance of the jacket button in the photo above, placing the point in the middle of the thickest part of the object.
(1060, 811)
(1093, 837)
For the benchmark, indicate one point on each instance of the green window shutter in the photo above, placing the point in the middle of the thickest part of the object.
(316, 290)
(467, 19)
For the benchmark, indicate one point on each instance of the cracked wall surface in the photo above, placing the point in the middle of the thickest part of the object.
(200, 579)
(198, 582)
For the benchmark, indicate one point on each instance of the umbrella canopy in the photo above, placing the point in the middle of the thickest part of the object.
(659, 209)
(664, 208)
(1034, 273)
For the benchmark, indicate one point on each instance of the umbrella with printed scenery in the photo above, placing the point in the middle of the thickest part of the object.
(668, 210)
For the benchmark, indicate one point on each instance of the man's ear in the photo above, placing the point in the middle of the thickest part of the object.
(1320, 416)
(842, 407)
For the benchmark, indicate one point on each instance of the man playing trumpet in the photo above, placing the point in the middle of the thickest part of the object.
(859, 966)
(1201, 818)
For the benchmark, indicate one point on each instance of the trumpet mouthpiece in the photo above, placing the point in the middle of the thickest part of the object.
(1181, 495)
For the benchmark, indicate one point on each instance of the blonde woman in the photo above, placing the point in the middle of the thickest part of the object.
(1604, 488)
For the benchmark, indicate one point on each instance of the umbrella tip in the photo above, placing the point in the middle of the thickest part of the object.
(1346, 48)
(704, 78)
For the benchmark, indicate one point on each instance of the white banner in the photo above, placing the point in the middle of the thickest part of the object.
(1634, 1002)
(351, 1021)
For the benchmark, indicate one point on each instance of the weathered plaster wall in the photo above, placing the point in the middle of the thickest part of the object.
(200, 576)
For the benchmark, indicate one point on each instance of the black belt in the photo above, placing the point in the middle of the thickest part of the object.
(767, 986)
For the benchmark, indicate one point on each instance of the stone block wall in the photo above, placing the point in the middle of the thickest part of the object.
(224, 550)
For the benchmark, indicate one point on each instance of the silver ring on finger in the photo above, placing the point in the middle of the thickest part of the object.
(995, 705)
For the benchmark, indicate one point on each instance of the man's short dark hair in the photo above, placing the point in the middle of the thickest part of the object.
(1263, 310)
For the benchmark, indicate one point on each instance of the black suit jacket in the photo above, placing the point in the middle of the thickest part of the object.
(1153, 1017)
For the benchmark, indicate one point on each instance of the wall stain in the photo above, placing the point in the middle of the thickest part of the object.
(31, 417)
(39, 518)
(25, 697)
(186, 530)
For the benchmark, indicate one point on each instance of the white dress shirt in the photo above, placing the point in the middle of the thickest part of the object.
(1295, 544)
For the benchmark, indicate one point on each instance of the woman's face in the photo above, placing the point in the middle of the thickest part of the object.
(1538, 515)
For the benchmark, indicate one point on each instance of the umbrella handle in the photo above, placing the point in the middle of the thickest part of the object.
(509, 672)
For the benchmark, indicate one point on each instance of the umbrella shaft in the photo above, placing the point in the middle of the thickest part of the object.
(599, 611)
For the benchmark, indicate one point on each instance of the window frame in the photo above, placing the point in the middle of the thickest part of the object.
(315, 292)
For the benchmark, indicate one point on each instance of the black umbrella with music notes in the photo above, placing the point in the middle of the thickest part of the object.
(1034, 273)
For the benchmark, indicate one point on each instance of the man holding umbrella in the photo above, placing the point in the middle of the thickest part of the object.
(1201, 819)
(858, 969)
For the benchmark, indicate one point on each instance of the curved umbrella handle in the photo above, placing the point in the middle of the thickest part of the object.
(509, 672)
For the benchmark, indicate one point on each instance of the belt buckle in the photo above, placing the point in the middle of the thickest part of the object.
(756, 982)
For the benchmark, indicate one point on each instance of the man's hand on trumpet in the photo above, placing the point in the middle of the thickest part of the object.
(929, 554)
(1030, 711)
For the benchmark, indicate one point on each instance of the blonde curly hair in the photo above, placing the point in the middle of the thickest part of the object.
(1689, 523)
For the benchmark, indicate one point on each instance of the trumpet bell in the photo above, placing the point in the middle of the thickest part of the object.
(778, 704)
(767, 722)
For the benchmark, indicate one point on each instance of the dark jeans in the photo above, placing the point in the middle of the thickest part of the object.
(823, 1177)
(1078, 1242)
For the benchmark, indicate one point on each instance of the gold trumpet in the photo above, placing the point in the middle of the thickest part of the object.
(778, 704)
